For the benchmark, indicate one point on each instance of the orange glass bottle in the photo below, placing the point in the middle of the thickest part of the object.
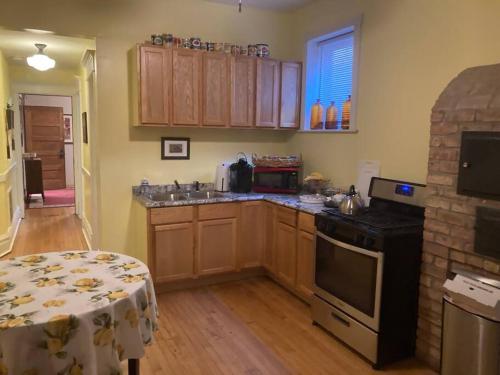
(346, 113)
(316, 116)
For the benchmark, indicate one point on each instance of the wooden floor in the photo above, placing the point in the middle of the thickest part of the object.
(48, 229)
(246, 327)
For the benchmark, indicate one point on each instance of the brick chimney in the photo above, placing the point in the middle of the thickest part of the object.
(470, 102)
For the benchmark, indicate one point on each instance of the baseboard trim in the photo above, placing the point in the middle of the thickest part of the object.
(7, 239)
(208, 280)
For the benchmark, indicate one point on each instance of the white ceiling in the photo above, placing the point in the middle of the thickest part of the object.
(267, 4)
(17, 45)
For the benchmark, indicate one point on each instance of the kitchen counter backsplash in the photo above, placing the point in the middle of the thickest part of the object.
(143, 194)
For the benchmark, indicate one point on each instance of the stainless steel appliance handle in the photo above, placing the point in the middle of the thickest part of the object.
(373, 254)
(340, 319)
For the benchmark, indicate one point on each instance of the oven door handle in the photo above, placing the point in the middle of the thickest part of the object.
(341, 319)
(373, 254)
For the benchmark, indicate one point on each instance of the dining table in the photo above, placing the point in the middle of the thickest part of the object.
(75, 312)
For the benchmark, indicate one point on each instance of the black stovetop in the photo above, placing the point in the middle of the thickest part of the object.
(378, 219)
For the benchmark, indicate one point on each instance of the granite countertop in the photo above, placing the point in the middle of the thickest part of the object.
(292, 201)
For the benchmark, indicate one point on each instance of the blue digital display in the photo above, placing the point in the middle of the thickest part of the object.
(406, 190)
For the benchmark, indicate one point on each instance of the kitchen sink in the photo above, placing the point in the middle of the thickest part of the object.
(203, 195)
(167, 197)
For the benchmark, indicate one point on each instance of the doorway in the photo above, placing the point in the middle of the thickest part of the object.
(49, 173)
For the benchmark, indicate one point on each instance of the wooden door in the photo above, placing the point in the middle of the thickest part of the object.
(269, 254)
(216, 249)
(252, 236)
(242, 91)
(174, 252)
(45, 136)
(267, 93)
(305, 266)
(155, 85)
(186, 90)
(286, 238)
(291, 79)
(215, 89)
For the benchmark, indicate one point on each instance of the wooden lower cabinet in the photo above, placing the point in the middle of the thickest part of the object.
(286, 253)
(305, 263)
(269, 258)
(174, 252)
(252, 236)
(217, 244)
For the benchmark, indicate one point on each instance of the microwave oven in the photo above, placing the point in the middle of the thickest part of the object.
(276, 180)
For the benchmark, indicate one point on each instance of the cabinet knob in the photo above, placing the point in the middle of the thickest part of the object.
(465, 164)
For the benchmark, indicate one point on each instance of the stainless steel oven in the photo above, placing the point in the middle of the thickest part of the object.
(349, 278)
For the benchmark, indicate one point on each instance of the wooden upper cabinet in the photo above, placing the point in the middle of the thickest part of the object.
(155, 69)
(291, 80)
(215, 89)
(242, 91)
(267, 93)
(186, 90)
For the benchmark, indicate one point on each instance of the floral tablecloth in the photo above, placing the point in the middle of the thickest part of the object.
(74, 312)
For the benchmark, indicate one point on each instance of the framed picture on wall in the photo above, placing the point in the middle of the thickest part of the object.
(175, 148)
(68, 128)
(9, 113)
(84, 128)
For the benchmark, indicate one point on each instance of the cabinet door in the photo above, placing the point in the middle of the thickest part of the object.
(174, 252)
(216, 246)
(242, 91)
(305, 266)
(286, 253)
(267, 92)
(215, 89)
(155, 85)
(269, 259)
(186, 95)
(252, 234)
(291, 79)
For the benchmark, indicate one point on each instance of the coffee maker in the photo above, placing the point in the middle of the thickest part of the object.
(240, 175)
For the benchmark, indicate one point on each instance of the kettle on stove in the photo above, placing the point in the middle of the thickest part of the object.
(352, 202)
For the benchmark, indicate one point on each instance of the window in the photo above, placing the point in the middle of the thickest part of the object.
(331, 77)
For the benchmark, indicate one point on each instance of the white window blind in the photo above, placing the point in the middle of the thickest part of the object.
(336, 70)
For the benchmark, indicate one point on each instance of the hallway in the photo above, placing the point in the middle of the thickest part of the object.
(49, 229)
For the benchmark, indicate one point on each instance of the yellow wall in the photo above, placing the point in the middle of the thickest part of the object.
(25, 75)
(126, 155)
(6, 174)
(410, 50)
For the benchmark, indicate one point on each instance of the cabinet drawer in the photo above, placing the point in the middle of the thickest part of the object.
(169, 215)
(306, 223)
(287, 216)
(217, 211)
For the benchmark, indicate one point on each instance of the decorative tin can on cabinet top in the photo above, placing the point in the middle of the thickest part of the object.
(157, 39)
(263, 50)
(252, 50)
(195, 42)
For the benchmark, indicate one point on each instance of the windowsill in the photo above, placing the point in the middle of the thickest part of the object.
(333, 131)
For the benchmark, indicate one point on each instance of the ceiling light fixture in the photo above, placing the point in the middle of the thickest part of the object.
(40, 61)
(38, 31)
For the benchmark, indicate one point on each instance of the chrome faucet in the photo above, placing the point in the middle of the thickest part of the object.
(196, 185)
(177, 186)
